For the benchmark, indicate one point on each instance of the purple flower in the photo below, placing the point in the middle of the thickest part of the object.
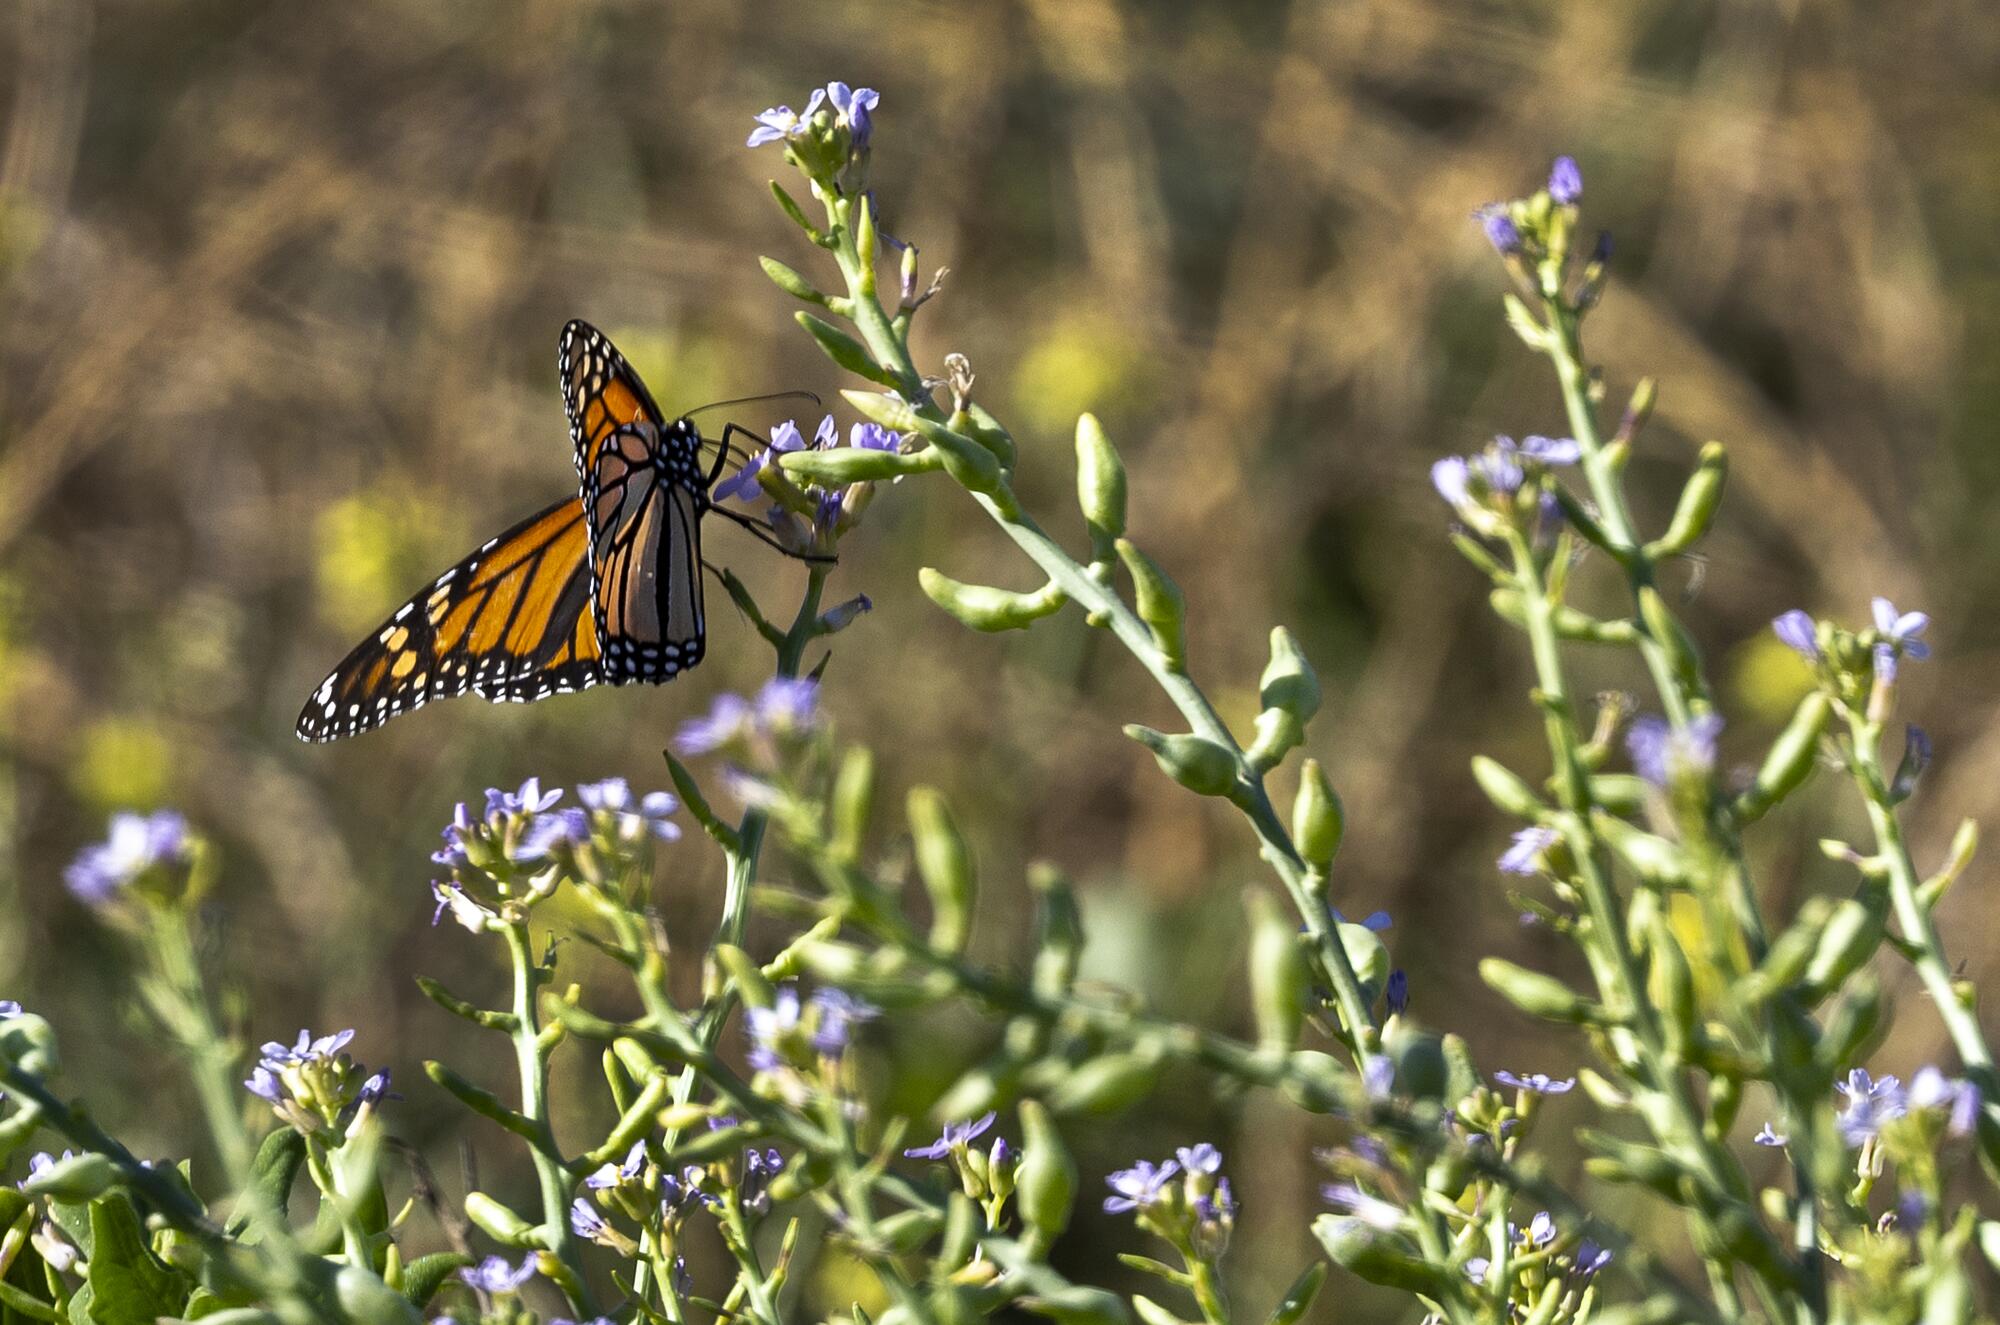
(780, 123)
(1139, 1186)
(854, 107)
(530, 799)
(375, 1089)
(1200, 1157)
(649, 814)
(1870, 1103)
(136, 843)
(494, 1275)
(1475, 1270)
(1524, 857)
(1398, 992)
(743, 483)
(457, 833)
(1565, 182)
(678, 1195)
(872, 437)
(839, 1013)
(264, 1084)
(1766, 1137)
(1798, 630)
(770, 1027)
(1590, 1258)
(728, 717)
(1541, 1230)
(1378, 1075)
(1536, 1083)
(1931, 1089)
(1899, 637)
(9, 1008)
(308, 1049)
(1663, 754)
(586, 1223)
(788, 704)
(611, 1175)
(1374, 922)
(1370, 1210)
(954, 1137)
(1500, 229)
(549, 832)
(1547, 450)
(1219, 1207)
(1916, 759)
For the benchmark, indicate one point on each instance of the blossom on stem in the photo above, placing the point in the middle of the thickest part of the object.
(780, 123)
(1798, 630)
(1565, 182)
(494, 1275)
(1871, 1102)
(1960, 1100)
(1766, 1137)
(1663, 753)
(853, 108)
(1899, 638)
(1499, 228)
(135, 844)
(954, 1137)
(1138, 1187)
(1524, 856)
(1536, 1083)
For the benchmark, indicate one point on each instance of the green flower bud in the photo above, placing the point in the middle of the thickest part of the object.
(1108, 1083)
(1381, 1257)
(1851, 1026)
(366, 1300)
(1505, 788)
(1277, 974)
(1152, 1313)
(1790, 760)
(844, 350)
(1045, 1183)
(1422, 1071)
(75, 1178)
(1532, 992)
(29, 1042)
(1785, 961)
(1696, 509)
(971, 466)
(866, 241)
(853, 796)
(1852, 934)
(1100, 480)
(1620, 793)
(498, 1222)
(983, 428)
(945, 864)
(1964, 844)
(1318, 822)
(1197, 763)
(985, 608)
(842, 466)
(1653, 858)
(908, 1230)
(1158, 601)
(792, 209)
(791, 282)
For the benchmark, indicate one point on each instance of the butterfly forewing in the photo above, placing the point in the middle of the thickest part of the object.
(507, 623)
(600, 391)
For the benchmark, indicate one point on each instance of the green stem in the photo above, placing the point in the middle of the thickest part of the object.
(745, 1252)
(551, 1177)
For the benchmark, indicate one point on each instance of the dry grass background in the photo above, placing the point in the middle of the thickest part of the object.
(281, 288)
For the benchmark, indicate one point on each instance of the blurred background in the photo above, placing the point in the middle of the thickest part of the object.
(282, 283)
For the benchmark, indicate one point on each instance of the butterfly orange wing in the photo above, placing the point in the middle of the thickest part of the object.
(508, 623)
(600, 392)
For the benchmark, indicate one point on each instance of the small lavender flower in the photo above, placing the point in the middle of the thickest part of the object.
(956, 1136)
(1370, 1210)
(1139, 1186)
(1662, 753)
(1199, 1158)
(839, 1013)
(1798, 631)
(494, 1275)
(466, 912)
(769, 1029)
(1536, 1083)
(1374, 922)
(1916, 759)
(779, 123)
(1500, 230)
(1378, 1076)
(1590, 1258)
(1524, 856)
(1899, 640)
(1932, 1089)
(636, 818)
(872, 437)
(1547, 450)
(743, 483)
(529, 799)
(1565, 182)
(586, 1223)
(9, 1008)
(1397, 995)
(1541, 1230)
(1870, 1103)
(611, 1175)
(308, 1049)
(1452, 477)
(461, 830)
(1766, 1137)
(1475, 1270)
(728, 717)
(788, 705)
(135, 844)
(853, 107)
(1219, 1207)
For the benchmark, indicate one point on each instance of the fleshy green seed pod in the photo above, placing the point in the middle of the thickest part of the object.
(1100, 479)
(907, 1230)
(1506, 789)
(497, 1221)
(1790, 759)
(1653, 858)
(1696, 509)
(970, 465)
(982, 427)
(748, 976)
(1670, 986)
(1197, 763)
(1381, 1257)
(1277, 974)
(1290, 694)
(1422, 1071)
(1299, 1297)
(886, 408)
(844, 350)
(791, 282)
(1318, 822)
(366, 1300)
(1536, 994)
(1058, 932)
(1367, 954)
(866, 241)
(791, 208)
(945, 864)
(1672, 636)
(849, 805)
(1157, 600)
(1045, 1185)
(1079, 1305)
(1785, 962)
(1852, 1024)
(1850, 938)
(75, 1178)
(1964, 845)
(985, 608)
(1108, 1083)
(844, 466)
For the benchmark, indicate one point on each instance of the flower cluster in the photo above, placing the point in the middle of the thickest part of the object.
(1498, 488)
(1195, 1214)
(313, 1085)
(806, 518)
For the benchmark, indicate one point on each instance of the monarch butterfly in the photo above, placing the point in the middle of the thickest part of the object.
(599, 589)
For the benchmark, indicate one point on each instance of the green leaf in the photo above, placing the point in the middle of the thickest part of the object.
(271, 1176)
(423, 1276)
(128, 1284)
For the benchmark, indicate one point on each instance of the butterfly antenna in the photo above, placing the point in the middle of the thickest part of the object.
(754, 400)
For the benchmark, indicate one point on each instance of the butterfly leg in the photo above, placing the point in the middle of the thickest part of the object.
(762, 533)
(724, 449)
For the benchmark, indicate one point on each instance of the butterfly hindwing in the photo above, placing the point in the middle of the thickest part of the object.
(510, 622)
(645, 496)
